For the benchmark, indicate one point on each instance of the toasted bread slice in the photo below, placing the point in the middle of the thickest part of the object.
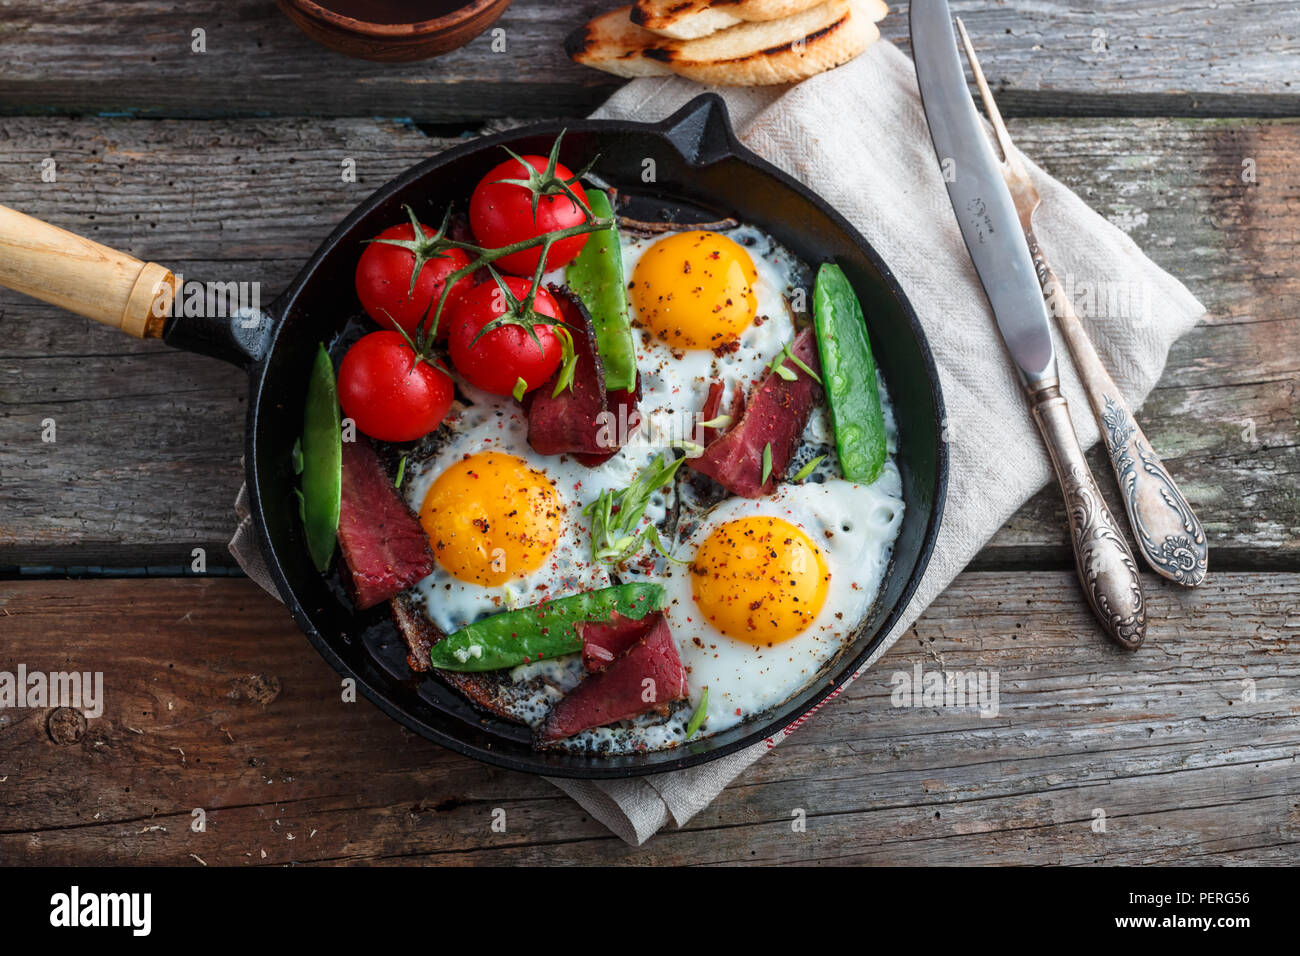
(689, 19)
(613, 43)
(698, 21)
(753, 53)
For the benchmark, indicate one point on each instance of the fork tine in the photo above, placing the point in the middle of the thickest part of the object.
(986, 95)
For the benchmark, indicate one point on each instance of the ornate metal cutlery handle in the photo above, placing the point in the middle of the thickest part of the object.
(1102, 559)
(1168, 533)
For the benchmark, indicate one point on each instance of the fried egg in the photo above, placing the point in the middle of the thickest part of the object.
(775, 588)
(706, 307)
(505, 524)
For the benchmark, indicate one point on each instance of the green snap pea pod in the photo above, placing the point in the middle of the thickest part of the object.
(544, 630)
(597, 278)
(322, 462)
(849, 376)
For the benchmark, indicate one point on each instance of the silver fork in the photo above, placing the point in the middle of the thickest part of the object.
(1169, 535)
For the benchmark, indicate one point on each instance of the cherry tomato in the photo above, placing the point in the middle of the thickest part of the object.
(384, 281)
(502, 213)
(508, 353)
(388, 393)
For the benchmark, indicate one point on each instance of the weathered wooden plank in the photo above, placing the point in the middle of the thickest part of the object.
(214, 701)
(146, 462)
(1047, 58)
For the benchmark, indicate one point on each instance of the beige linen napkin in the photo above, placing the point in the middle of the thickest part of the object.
(857, 136)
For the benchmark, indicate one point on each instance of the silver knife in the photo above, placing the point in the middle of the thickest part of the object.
(990, 226)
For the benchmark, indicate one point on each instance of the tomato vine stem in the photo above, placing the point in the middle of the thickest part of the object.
(425, 248)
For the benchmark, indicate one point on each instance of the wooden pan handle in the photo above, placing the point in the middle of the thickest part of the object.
(84, 277)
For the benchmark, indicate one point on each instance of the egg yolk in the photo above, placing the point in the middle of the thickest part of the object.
(490, 519)
(695, 290)
(759, 580)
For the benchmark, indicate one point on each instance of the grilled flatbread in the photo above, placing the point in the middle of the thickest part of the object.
(689, 19)
(753, 53)
(613, 43)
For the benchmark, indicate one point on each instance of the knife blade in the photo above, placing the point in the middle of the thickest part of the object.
(995, 239)
(985, 211)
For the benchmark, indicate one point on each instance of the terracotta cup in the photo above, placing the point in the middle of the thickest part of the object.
(393, 42)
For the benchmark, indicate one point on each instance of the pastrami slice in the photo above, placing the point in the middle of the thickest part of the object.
(578, 421)
(385, 547)
(774, 417)
(606, 641)
(649, 676)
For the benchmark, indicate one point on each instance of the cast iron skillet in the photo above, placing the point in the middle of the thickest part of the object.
(700, 170)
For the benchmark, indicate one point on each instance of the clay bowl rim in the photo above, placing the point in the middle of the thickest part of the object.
(417, 28)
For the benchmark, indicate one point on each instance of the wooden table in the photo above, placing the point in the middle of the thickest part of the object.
(225, 164)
